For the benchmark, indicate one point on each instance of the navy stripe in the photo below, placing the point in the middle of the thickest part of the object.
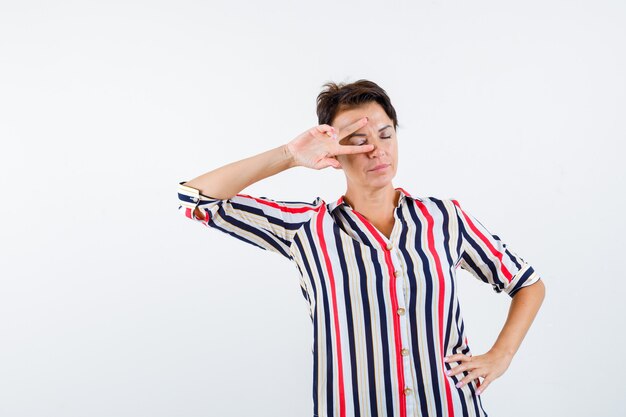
(429, 300)
(237, 223)
(327, 319)
(259, 212)
(411, 311)
(355, 222)
(316, 376)
(522, 280)
(349, 316)
(367, 322)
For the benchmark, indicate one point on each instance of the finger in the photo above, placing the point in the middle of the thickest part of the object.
(469, 378)
(334, 163)
(483, 386)
(325, 129)
(330, 161)
(459, 357)
(457, 369)
(352, 128)
(351, 149)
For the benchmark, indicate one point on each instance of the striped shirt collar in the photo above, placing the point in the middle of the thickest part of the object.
(403, 195)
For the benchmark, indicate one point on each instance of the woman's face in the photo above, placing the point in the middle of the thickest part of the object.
(359, 168)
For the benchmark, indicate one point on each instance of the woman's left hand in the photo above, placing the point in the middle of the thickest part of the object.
(488, 366)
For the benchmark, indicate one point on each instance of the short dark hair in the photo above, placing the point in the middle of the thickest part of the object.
(344, 96)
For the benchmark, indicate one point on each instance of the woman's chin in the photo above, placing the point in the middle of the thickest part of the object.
(379, 180)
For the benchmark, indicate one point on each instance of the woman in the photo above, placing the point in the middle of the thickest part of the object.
(377, 266)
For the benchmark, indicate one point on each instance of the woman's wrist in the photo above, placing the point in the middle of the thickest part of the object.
(289, 156)
(508, 353)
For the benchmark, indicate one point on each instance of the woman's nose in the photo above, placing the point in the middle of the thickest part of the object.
(377, 151)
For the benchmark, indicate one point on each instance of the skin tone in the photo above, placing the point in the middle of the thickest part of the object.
(372, 194)
(370, 191)
(315, 148)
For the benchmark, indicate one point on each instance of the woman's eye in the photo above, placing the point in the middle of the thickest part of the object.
(382, 137)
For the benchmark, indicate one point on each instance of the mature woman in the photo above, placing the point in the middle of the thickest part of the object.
(378, 266)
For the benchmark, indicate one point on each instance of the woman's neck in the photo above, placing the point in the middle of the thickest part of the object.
(378, 203)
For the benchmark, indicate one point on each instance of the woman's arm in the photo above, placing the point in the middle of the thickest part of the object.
(524, 307)
(315, 148)
(491, 365)
(226, 181)
(214, 199)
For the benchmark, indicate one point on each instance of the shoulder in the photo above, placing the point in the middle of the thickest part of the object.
(287, 204)
(437, 201)
(441, 206)
(297, 209)
(312, 202)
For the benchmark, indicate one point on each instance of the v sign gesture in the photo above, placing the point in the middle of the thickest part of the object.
(316, 148)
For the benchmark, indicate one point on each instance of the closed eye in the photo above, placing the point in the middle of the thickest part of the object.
(382, 137)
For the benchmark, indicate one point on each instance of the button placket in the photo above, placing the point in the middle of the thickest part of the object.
(409, 373)
(404, 333)
(407, 360)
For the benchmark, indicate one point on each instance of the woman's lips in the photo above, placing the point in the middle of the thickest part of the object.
(379, 167)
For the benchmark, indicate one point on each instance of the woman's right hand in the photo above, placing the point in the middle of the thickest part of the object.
(317, 147)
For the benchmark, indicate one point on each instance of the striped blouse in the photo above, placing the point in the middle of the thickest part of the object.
(384, 311)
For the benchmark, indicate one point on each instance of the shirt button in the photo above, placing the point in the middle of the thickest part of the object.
(397, 272)
(389, 246)
(405, 352)
(407, 391)
(400, 311)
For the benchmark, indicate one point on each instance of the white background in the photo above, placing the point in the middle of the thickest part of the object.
(114, 304)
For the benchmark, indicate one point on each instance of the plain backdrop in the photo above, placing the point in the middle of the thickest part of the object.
(114, 304)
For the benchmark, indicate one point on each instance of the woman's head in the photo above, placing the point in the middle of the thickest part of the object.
(344, 104)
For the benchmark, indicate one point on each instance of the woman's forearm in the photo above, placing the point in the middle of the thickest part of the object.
(228, 180)
(524, 307)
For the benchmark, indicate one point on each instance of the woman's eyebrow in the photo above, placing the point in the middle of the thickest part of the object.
(365, 134)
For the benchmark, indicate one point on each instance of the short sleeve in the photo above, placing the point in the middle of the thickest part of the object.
(263, 222)
(489, 259)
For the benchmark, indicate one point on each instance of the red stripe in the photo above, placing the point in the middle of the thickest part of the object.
(404, 191)
(487, 243)
(189, 213)
(279, 206)
(394, 306)
(320, 233)
(441, 300)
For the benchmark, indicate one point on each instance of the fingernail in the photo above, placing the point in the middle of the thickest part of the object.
(448, 372)
(445, 359)
(458, 385)
(478, 392)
